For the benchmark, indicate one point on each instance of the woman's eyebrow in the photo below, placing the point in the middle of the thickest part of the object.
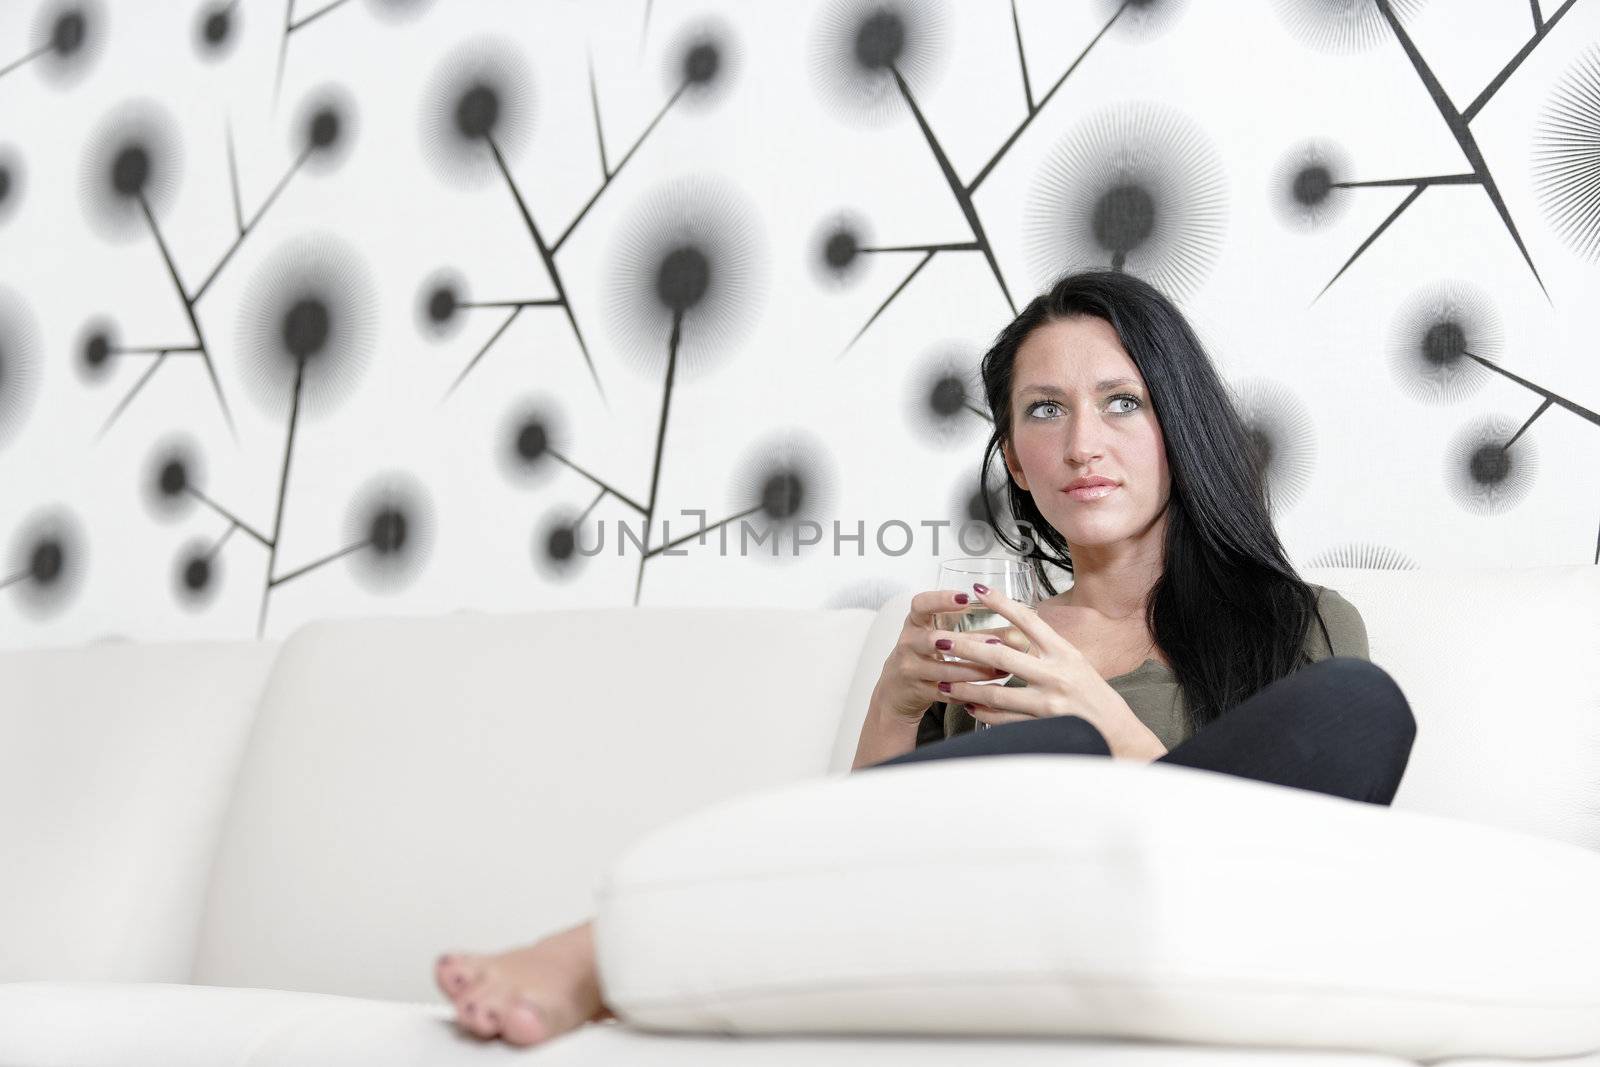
(1102, 386)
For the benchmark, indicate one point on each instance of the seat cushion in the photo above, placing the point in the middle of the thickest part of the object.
(417, 785)
(116, 765)
(1084, 896)
(44, 1024)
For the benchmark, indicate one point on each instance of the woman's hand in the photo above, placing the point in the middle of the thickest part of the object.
(1061, 681)
(913, 671)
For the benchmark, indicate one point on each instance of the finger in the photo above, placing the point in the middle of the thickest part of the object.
(1017, 698)
(958, 671)
(924, 606)
(986, 647)
(991, 717)
(983, 646)
(968, 648)
(1021, 616)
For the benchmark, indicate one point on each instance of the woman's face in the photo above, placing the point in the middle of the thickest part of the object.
(1071, 418)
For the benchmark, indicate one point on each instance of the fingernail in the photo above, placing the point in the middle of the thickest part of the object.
(980, 588)
(943, 644)
(961, 598)
(993, 641)
(944, 687)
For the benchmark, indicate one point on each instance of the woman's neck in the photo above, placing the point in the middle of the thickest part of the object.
(1115, 597)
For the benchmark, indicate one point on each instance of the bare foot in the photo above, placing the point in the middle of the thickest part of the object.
(527, 995)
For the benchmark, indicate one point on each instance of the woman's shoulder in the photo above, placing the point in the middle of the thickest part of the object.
(1346, 629)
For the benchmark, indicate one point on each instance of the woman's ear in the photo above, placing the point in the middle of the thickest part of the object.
(1013, 466)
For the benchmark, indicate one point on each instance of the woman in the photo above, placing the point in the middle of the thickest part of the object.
(1185, 636)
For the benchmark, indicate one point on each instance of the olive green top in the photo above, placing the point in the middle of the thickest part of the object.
(1152, 691)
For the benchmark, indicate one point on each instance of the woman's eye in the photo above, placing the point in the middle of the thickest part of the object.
(1130, 399)
(1050, 409)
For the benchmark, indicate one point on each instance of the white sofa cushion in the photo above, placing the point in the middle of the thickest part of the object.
(1080, 895)
(417, 785)
(91, 1024)
(116, 764)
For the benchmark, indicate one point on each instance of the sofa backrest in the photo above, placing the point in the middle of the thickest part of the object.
(1501, 667)
(414, 785)
(116, 764)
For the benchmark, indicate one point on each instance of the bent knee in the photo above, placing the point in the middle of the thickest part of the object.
(1373, 696)
(1071, 734)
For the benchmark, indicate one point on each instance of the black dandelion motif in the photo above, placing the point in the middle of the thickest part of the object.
(1486, 470)
(216, 29)
(133, 162)
(398, 10)
(325, 128)
(784, 479)
(983, 507)
(1306, 190)
(1566, 156)
(703, 62)
(1341, 26)
(1143, 18)
(171, 475)
(47, 561)
(529, 433)
(308, 318)
(944, 402)
(479, 100)
(11, 182)
(838, 248)
(1281, 437)
(392, 520)
(1363, 556)
(1136, 187)
(858, 46)
(869, 593)
(72, 35)
(439, 304)
(555, 544)
(691, 253)
(96, 341)
(19, 364)
(197, 575)
(1434, 337)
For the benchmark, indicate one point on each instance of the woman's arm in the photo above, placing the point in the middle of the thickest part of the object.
(884, 736)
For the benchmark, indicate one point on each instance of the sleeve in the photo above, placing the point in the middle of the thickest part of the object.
(1345, 627)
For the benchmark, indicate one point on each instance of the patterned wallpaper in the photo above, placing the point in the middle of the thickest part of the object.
(358, 307)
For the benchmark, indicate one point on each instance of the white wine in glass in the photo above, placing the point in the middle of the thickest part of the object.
(1003, 574)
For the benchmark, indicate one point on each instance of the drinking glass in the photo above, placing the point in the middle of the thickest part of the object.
(1004, 574)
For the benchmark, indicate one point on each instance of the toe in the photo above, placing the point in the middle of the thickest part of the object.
(478, 1018)
(445, 970)
(523, 1023)
(459, 974)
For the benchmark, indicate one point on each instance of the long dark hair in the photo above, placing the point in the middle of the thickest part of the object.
(1228, 610)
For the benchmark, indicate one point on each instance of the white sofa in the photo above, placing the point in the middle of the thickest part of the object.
(251, 853)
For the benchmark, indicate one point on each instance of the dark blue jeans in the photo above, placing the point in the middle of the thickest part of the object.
(1339, 726)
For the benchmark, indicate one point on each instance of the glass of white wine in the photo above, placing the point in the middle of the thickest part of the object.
(1004, 574)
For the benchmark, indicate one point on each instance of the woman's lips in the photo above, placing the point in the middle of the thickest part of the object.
(1093, 492)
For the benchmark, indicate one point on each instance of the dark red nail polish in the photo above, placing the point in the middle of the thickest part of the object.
(980, 588)
(961, 598)
(943, 644)
(993, 641)
(944, 687)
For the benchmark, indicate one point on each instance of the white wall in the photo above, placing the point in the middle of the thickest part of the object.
(1212, 103)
